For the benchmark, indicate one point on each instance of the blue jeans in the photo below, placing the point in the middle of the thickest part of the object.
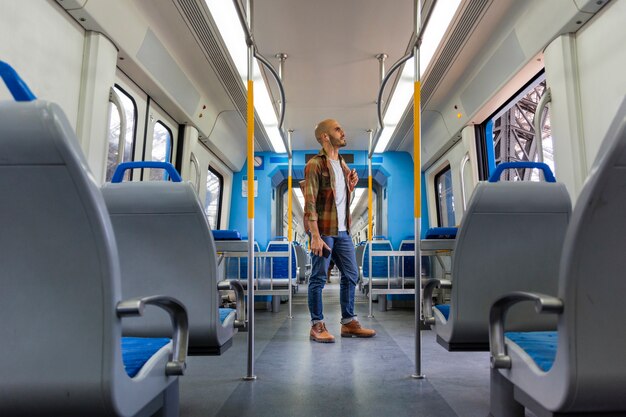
(344, 256)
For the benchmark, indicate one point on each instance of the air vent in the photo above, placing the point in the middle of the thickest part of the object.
(197, 20)
(466, 24)
(470, 17)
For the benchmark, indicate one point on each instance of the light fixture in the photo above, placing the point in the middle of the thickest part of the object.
(439, 21)
(227, 21)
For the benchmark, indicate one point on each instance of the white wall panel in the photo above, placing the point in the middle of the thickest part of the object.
(45, 46)
(585, 74)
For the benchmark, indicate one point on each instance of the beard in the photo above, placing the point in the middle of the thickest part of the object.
(339, 142)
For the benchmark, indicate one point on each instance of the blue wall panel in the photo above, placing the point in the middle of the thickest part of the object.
(398, 166)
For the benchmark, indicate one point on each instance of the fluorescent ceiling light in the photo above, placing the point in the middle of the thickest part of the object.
(232, 33)
(439, 21)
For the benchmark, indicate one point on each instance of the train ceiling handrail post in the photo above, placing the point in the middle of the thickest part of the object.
(247, 24)
(281, 89)
(370, 215)
(419, 30)
(417, 200)
(250, 376)
(289, 218)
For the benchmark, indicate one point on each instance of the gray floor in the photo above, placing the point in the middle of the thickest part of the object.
(352, 377)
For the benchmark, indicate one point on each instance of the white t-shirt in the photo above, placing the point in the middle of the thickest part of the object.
(340, 194)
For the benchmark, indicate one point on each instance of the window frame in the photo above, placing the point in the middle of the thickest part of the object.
(128, 175)
(443, 171)
(220, 178)
(168, 149)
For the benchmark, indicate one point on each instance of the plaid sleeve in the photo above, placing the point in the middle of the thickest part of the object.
(311, 178)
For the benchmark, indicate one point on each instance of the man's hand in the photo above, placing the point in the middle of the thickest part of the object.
(318, 245)
(353, 179)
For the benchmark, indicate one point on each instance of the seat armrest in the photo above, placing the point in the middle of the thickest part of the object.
(236, 286)
(429, 285)
(178, 314)
(543, 304)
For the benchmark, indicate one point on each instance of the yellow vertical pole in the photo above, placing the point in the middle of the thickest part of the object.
(417, 183)
(250, 376)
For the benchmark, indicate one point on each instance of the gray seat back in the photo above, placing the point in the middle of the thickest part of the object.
(61, 353)
(592, 330)
(510, 239)
(166, 247)
(302, 262)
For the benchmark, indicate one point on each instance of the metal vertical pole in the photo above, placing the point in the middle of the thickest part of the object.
(381, 65)
(250, 376)
(417, 183)
(281, 68)
(289, 215)
(370, 215)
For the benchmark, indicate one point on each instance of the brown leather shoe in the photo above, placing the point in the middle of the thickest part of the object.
(354, 329)
(320, 334)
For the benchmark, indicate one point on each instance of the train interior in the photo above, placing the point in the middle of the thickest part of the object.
(150, 149)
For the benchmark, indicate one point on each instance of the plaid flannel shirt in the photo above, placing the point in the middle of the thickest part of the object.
(319, 194)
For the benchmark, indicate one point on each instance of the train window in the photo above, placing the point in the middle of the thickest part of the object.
(161, 150)
(116, 137)
(445, 198)
(213, 200)
(513, 132)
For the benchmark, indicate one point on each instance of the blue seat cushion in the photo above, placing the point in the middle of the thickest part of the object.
(137, 350)
(226, 235)
(224, 312)
(441, 233)
(444, 309)
(540, 346)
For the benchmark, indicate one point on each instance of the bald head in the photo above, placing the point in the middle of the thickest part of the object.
(323, 127)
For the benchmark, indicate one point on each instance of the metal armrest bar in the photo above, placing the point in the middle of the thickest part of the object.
(429, 285)
(237, 286)
(178, 314)
(543, 304)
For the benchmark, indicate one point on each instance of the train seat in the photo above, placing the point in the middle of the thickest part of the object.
(383, 266)
(61, 307)
(276, 271)
(510, 239)
(166, 245)
(304, 263)
(582, 372)
(226, 235)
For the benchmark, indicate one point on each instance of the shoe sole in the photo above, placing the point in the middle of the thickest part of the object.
(321, 341)
(354, 335)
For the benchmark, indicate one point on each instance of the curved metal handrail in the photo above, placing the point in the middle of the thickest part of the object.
(194, 161)
(543, 101)
(115, 99)
(464, 162)
(379, 99)
(273, 71)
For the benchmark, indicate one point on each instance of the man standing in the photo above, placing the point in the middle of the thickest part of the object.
(329, 183)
